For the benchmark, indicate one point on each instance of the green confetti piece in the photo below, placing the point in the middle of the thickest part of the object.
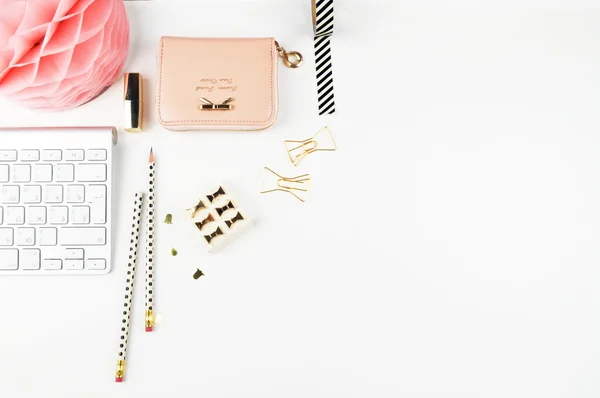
(173, 252)
(198, 273)
(169, 219)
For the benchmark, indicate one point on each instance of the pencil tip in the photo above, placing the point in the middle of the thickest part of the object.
(151, 158)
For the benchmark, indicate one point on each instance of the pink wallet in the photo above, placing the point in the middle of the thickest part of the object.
(219, 84)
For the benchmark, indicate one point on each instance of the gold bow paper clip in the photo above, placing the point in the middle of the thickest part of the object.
(211, 237)
(238, 217)
(209, 106)
(297, 186)
(298, 150)
(193, 210)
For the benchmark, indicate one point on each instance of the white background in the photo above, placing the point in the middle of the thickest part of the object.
(449, 248)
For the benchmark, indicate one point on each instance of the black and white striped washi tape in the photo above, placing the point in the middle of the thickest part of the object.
(323, 26)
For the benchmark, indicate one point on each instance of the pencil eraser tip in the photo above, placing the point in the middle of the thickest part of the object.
(148, 328)
(118, 379)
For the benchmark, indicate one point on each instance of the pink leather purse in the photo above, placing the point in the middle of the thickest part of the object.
(219, 84)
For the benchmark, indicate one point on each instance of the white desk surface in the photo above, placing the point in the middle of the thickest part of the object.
(449, 248)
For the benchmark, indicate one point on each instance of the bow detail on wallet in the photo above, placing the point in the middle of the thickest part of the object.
(210, 106)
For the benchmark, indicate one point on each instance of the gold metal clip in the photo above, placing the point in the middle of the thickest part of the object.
(200, 225)
(221, 210)
(213, 196)
(209, 238)
(298, 150)
(297, 186)
(199, 206)
(291, 59)
(238, 217)
(209, 106)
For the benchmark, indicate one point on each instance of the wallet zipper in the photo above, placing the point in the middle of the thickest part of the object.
(291, 59)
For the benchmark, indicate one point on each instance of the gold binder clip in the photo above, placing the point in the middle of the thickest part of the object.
(298, 150)
(297, 186)
(209, 106)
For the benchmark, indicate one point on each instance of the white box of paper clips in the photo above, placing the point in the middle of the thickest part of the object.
(218, 218)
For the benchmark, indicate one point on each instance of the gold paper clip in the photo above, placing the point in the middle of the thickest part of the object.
(200, 225)
(298, 150)
(209, 238)
(199, 206)
(297, 186)
(238, 217)
(209, 106)
(213, 196)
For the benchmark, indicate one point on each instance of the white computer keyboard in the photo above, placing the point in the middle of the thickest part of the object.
(55, 207)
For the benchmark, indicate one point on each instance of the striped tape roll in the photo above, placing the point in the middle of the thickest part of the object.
(323, 26)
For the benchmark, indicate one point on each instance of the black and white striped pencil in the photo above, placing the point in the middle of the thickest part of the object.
(131, 262)
(150, 245)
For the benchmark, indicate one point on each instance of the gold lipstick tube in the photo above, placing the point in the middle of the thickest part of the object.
(133, 102)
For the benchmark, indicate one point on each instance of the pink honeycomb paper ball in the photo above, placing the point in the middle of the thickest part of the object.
(59, 54)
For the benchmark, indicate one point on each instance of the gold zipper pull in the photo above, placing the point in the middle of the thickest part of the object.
(292, 59)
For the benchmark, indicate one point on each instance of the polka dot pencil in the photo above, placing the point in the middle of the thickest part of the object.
(134, 239)
(150, 245)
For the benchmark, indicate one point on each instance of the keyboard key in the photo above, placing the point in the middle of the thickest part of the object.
(1, 215)
(82, 236)
(6, 236)
(8, 155)
(15, 215)
(74, 264)
(53, 194)
(51, 155)
(21, 173)
(75, 193)
(96, 154)
(25, 237)
(80, 215)
(96, 198)
(32, 193)
(42, 173)
(90, 172)
(9, 259)
(10, 194)
(95, 264)
(36, 215)
(74, 254)
(64, 172)
(4, 172)
(74, 154)
(47, 236)
(29, 155)
(30, 259)
(52, 264)
(58, 215)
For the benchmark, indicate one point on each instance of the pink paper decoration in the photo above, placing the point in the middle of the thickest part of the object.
(59, 54)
